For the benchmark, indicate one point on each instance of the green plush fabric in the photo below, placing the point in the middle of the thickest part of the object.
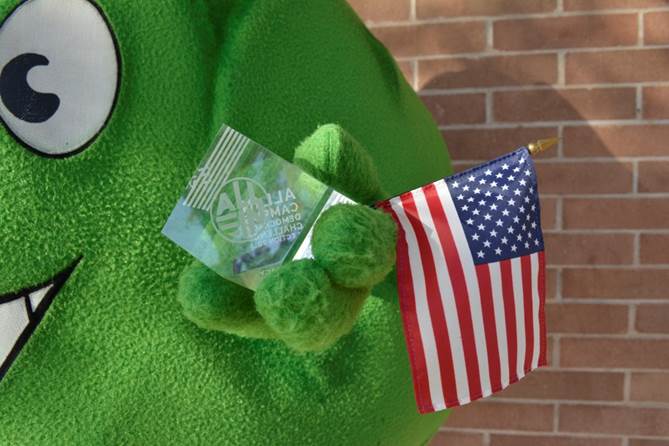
(336, 158)
(302, 305)
(114, 361)
(354, 250)
(214, 303)
(355, 244)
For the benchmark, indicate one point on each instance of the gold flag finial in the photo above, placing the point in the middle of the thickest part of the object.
(542, 145)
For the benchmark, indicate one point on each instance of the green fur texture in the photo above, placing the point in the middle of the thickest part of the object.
(355, 248)
(214, 303)
(302, 305)
(336, 158)
(114, 361)
(355, 244)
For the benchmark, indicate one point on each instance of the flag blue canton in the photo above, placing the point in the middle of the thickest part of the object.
(498, 206)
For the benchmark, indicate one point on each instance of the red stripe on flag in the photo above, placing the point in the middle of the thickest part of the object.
(485, 289)
(457, 278)
(407, 301)
(510, 316)
(542, 309)
(433, 300)
(526, 269)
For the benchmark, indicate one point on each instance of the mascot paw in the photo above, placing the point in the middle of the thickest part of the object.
(355, 244)
(214, 303)
(309, 304)
(304, 308)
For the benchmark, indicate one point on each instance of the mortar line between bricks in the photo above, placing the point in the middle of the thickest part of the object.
(638, 98)
(636, 249)
(620, 403)
(625, 441)
(532, 433)
(640, 28)
(412, 13)
(556, 417)
(535, 52)
(559, 212)
(559, 7)
(604, 301)
(573, 123)
(520, 16)
(603, 370)
(621, 266)
(489, 36)
(555, 123)
(560, 146)
(617, 337)
(627, 386)
(630, 267)
(555, 301)
(555, 354)
(558, 285)
(635, 176)
(478, 430)
(548, 434)
(522, 88)
(607, 232)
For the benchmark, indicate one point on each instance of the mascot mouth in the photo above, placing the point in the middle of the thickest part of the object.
(21, 313)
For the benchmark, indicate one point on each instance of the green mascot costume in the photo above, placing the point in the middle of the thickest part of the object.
(108, 107)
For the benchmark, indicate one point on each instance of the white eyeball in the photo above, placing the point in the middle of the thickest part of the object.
(59, 74)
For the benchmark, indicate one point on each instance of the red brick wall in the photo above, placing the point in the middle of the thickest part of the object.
(500, 73)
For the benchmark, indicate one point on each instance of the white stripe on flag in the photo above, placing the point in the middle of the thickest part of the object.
(422, 309)
(471, 281)
(500, 321)
(517, 274)
(534, 260)
(447, 296)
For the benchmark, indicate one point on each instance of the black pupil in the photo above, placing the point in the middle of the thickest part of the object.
(19, 98)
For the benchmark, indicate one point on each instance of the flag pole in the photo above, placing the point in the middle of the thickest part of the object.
(542, 145)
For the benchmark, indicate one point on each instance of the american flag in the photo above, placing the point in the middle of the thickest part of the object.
(472, 288)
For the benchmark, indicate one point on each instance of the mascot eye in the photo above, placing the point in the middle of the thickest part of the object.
(59, 74)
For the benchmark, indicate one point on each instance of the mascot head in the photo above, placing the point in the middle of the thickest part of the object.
(107, 108)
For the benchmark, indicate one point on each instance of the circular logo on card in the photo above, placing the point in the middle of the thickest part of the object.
(238, 211)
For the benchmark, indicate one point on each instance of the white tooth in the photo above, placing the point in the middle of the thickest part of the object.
(13, 320)
(36, 297)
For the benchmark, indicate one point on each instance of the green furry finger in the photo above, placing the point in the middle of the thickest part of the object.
(305, 309)
(333, 156)
(214, 303)
(311, 304)
(355, 244)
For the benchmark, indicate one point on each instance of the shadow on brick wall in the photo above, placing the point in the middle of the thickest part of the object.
(480, 123)
(483, 112)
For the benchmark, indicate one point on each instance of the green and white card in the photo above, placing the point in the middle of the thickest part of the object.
(247, 211)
